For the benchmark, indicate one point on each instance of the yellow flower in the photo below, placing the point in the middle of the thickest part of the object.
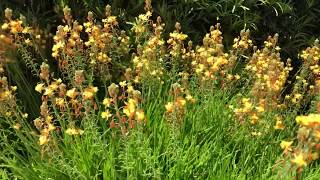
(254, 118)
(256, 133)
(286, 145)
(5, 26)
(25, 115)
(55, 54)
(88, 95)
(59, 102)
(49, 119)
(180, 102)
(178, 36)
(48, 92)
(123, 84)
(5, 95)
(140, 115)
(43, 139)
(247, 104)
(17, 126)
(14, 88)
(190, 98)
(229, 77)
(8, 114)
(279, 125)
(40, 87)
(298, 96)
(287, 97)
(106, 102)
(74, 131)
(106, 114)
(136, 80)
(144, 17)
(130, 107)
(277, 48)
(72, 93)
(112, 20)
(51, 127)
(299, 160)
(169, 107)
(28, 41)
(311, 119)
(260, 109)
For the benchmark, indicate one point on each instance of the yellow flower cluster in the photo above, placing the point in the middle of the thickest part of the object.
(7, 29)
(248, 110)
(149, 60)
(7, 97)
(84, 49)
(100, 41)
(74, 131)
(308, 147)
(140, 26)
(9, 109)
(307, 81)
(59, 102)
(244, 42)
(15, 34)
(74, 50)
(14, 26)
(176, 109)
(311, 56)
(269, 75)
(308, 136)
(176, 45)
(209, 61)
(123, 107)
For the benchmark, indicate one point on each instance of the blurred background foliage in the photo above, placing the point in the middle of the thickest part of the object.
(295, 21)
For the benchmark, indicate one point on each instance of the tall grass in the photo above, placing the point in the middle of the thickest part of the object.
(210, 144)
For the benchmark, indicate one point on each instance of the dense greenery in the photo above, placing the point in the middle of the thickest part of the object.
(295, 21)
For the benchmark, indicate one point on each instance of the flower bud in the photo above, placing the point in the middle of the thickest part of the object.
(113, 90)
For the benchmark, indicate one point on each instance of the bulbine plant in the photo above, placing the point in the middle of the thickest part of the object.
(119, 102)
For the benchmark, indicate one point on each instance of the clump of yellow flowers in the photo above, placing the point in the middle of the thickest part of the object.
(269, 75)
(16, 35)
(149, 59)
(307, 148)
(210, 62)
(61, 103)
(307, 82)
(209, 59)
(122, 107)
(176, 109)
(91, 52)
(13, 35)
(7, 97)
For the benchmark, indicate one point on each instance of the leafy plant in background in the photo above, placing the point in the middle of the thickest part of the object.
(295, 21)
